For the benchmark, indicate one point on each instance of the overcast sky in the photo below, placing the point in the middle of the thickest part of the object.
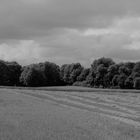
(66, 31)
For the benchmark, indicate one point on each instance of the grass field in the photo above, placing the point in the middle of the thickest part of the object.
(69, 113)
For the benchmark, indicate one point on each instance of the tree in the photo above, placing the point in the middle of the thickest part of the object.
(31, 77)
(111, 71)
(4, 74)
(129, 83)
(75, 73)
(104, 61)
(130, 66)
(83, 75)
(100, 75)
(115, 80)
(100, 67)
(135, 75)
(47, 74)
(70, 72)
(52, 73)
(124, 70)
(137, 83)
(121, 80)
(137, 67)
(65, 73)
(90, 79)
(14, 73)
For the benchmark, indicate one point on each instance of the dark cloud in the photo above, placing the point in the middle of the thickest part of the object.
(65, 31)
(30, 18)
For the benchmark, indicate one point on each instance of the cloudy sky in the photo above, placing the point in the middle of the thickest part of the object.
(66, 31)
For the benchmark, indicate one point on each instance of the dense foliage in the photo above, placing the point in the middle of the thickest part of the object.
(9, 73)
(103, 73)
(42, 74)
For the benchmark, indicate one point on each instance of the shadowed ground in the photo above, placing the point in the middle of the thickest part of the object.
(40, 114)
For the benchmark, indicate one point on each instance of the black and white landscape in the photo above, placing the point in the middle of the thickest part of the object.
(69, 70)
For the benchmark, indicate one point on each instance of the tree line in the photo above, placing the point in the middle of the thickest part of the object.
(103, 73)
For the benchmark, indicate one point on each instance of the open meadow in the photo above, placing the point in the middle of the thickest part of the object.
(69, 113)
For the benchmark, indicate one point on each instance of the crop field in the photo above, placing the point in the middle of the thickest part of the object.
(69, 113)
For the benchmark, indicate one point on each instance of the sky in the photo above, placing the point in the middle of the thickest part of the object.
(68, 31)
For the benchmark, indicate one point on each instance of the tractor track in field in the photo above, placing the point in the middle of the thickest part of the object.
(126, 111)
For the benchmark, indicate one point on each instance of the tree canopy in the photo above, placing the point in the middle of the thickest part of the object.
(104, 72)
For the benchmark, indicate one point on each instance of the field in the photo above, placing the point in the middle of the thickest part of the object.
(69, 113)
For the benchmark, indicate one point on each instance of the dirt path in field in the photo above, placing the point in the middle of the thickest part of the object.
(121, 106)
